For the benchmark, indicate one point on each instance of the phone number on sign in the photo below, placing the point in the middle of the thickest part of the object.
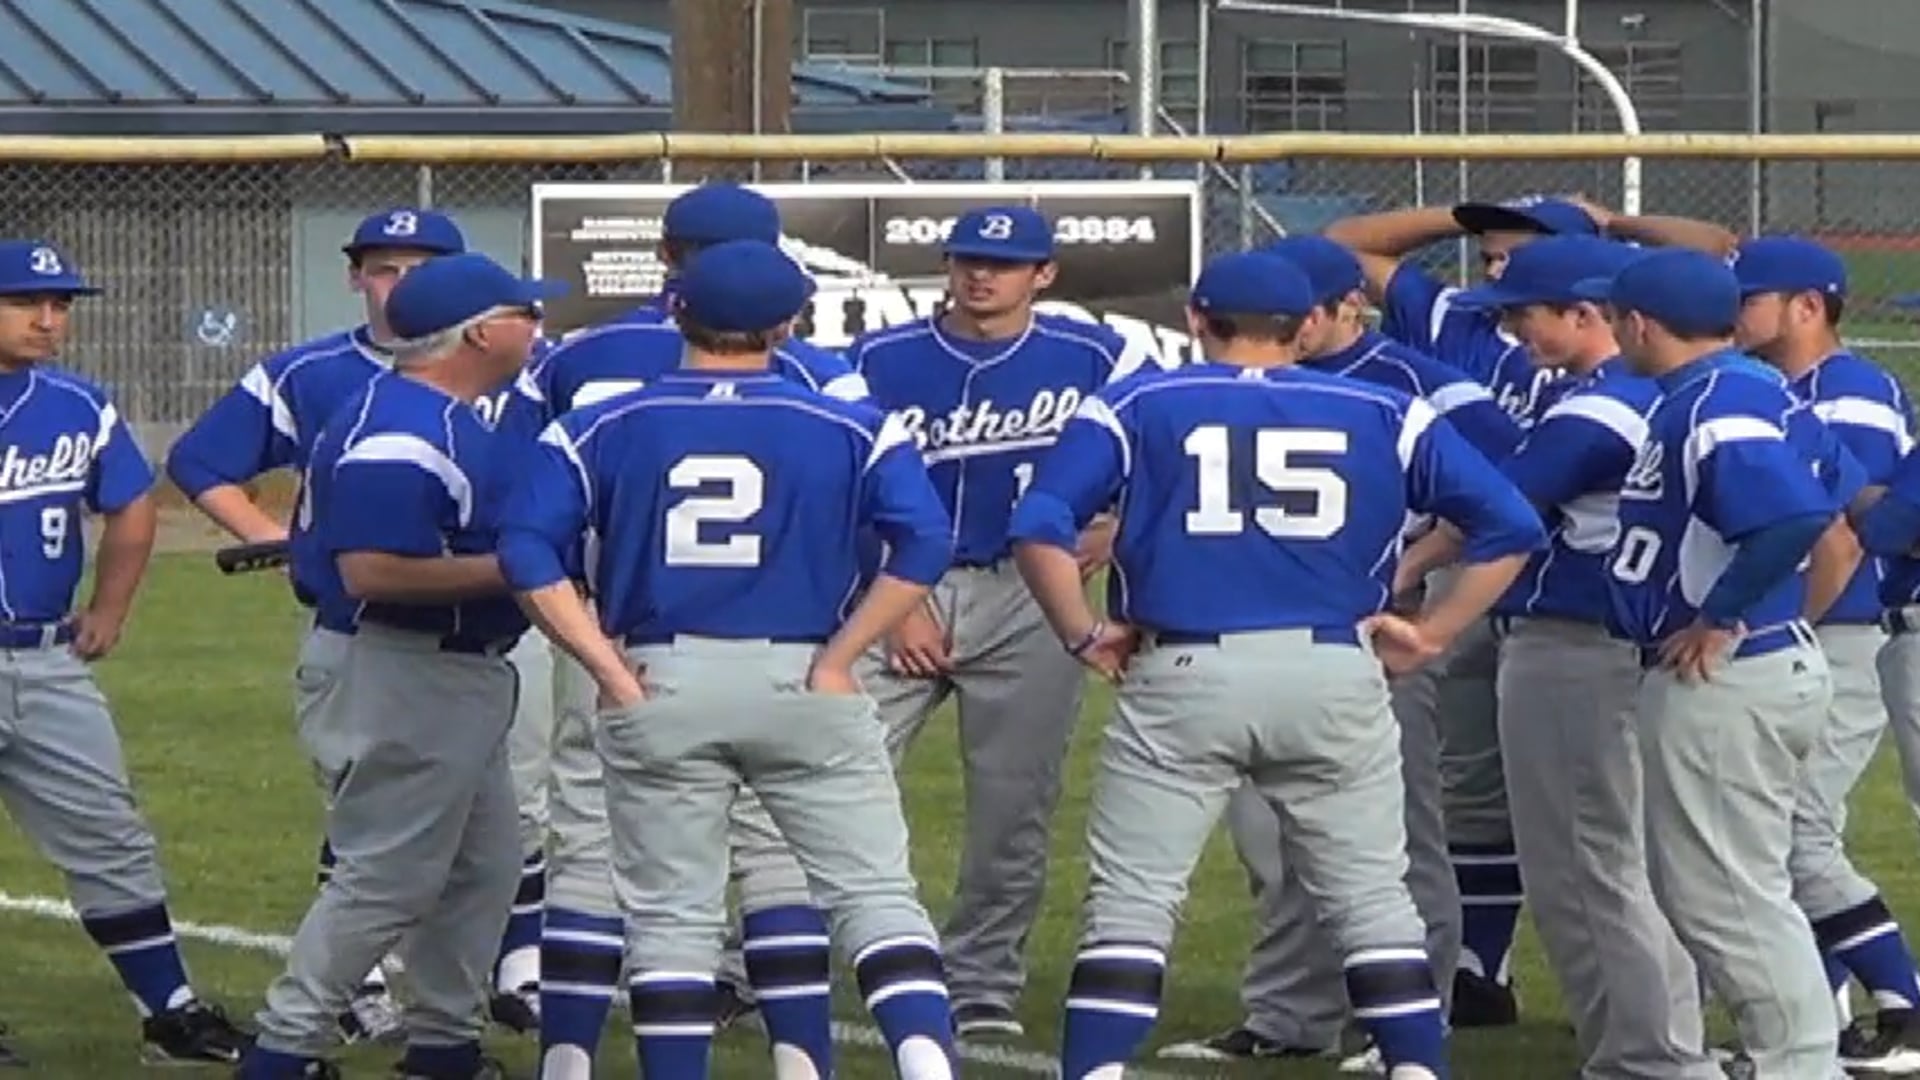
(924, 231)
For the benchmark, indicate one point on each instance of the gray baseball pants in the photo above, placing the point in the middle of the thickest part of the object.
(1306, 727)
(425, 837)
(722, 714)
(1472, 774)
(1567, 696)
(1723, 762)
(1899, 667)
(63, 779)
(1292, 989)
(1825, 881)
(1019, 698)
(530, 740)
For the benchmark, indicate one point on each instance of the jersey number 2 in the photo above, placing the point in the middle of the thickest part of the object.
(1273, 466)
(745, 492)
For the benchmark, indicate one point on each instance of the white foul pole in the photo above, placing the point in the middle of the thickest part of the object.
(1499, 29)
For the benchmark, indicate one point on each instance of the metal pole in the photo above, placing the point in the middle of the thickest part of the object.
(993, 115)
(1573, 20)
(1463, 174)
(759, 74)
(1144, 18)
(1756, 107)
(423, 186)
(1203, 45)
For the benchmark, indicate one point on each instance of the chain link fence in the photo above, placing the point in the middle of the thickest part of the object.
(263, 235)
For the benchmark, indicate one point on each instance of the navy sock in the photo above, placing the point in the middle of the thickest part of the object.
(141, 946)
(1395, 1001)
(788, 956)
(519, 961)
(1113, 1000)
(904, 985)
(1490, 896)
(673, 1016)
(457, 1062)
(1867, 940)
(259, 1063)
(580, 958)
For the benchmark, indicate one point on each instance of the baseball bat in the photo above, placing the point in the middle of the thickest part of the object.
(246, 558)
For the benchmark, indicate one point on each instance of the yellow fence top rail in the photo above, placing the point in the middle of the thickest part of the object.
(1119, 148)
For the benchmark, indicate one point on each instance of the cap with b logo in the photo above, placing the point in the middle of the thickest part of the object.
(33, 267)
(1252, 283)
(447, 290)
(1547, 270)
(1689, 292)
(1016, 234)
(742, 287)
(717, 212)
(409, 228)
(1788, 264)
(1331, 269)
(1526, 214)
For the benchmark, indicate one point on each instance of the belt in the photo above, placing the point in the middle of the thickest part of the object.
(29, 635)
(640, 641)
(980, 564)
(1762, 642)
(1901, 620)
(458, 644)
(1322, 635)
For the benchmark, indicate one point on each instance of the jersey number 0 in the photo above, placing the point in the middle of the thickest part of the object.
(1274, 468)
(744, 491)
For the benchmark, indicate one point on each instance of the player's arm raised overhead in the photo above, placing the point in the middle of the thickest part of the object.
(1660, 230)
(119, 489)
(249, 431)
(397, 559)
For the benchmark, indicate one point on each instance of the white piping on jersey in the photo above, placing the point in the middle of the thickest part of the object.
(1710, 436)
(266, 388)
(1609, 412)
(595, 391)
(405, 448)
(1096, 411)
(1866, 413)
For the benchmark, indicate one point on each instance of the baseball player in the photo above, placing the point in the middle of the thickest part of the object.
(1722, 504)
(1250, 574)
(1793, 292)
(1295, 1004)
(724, 564)
(62, 775)
(1419, 310)
(985, 386)
(268, 421)
(395, 531)
(783, 931)
(1567, 685)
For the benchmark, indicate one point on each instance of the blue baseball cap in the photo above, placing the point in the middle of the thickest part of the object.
(447, 290)
(1547, 270)
(33, 267)
(1689, 292)
(1331, 269)
(1253, 283)
(743, 287)
(1016, 234)
(718, 212)
(410, 228)
(1788, 264)
(1529, 213)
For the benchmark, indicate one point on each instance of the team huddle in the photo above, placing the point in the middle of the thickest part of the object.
(1595, 584)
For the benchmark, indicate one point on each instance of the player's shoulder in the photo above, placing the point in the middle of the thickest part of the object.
(815, 360)
(612, 337)
(341, 344)
(1068, 331)
(1849, 374)
(915, 334)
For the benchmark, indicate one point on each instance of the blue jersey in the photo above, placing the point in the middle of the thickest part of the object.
(1868, 411)
(67, 451)
(1901, 587)
(1571, 467)
(1263, 500)
(1467, 405)
(984, 412)
(722, 505)
(636, 348)
(1419, 311)
(1728, 453)
(406, 469)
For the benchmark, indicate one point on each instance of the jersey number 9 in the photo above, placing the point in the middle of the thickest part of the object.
(744, 493)
(1273, 468)
(53, 531)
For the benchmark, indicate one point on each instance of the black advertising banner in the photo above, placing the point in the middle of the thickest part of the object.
(1127, 250)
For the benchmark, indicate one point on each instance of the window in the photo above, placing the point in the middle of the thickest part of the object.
(958, 89)
(1179, 78)
(1293, 85)
(1502, 88)
(851, 35)
(1650, 70)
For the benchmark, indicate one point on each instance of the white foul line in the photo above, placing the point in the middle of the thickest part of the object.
(1002, 1057)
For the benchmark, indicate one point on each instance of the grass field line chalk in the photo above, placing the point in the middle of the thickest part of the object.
(847, 1034)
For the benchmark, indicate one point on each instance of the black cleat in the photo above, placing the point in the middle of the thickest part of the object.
(1239, 1044)
(518, 1011)
(733, 1008)
(1479, 1002)
(1891, 1047)
(191, 1034)
(986, 1021)
(9, 1057)
(490, 1069)
(372, 1017)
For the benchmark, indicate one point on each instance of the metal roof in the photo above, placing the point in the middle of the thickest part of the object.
(450, 66)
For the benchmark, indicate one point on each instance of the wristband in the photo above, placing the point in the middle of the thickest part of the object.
(1079, 648)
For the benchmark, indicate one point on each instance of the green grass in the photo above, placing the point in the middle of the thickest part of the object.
(200, 689)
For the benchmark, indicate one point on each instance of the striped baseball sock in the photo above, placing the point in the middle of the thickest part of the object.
(1113, 999)
(1490, 896)
(580, 957)
(904, 985)
(141, 946)
(519, 962)
(673, 1019)
(788, 955)
(1867, 940)
(1395, 1001)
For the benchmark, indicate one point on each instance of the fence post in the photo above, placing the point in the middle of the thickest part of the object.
(1245, 195)
(993, 115)
(423, 185)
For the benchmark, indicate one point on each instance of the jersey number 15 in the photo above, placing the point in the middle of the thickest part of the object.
(1273, 467)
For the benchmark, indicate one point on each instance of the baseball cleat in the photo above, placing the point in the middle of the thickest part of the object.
(192, 1034)
(518, 1010)
(1889, 1047)
(1368, 1062)
(373, 1016)
(977, 1021)
(490, 1069)
(734, 1007)
(9, 1057)
(1239, 1044)
(1480, 1002)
